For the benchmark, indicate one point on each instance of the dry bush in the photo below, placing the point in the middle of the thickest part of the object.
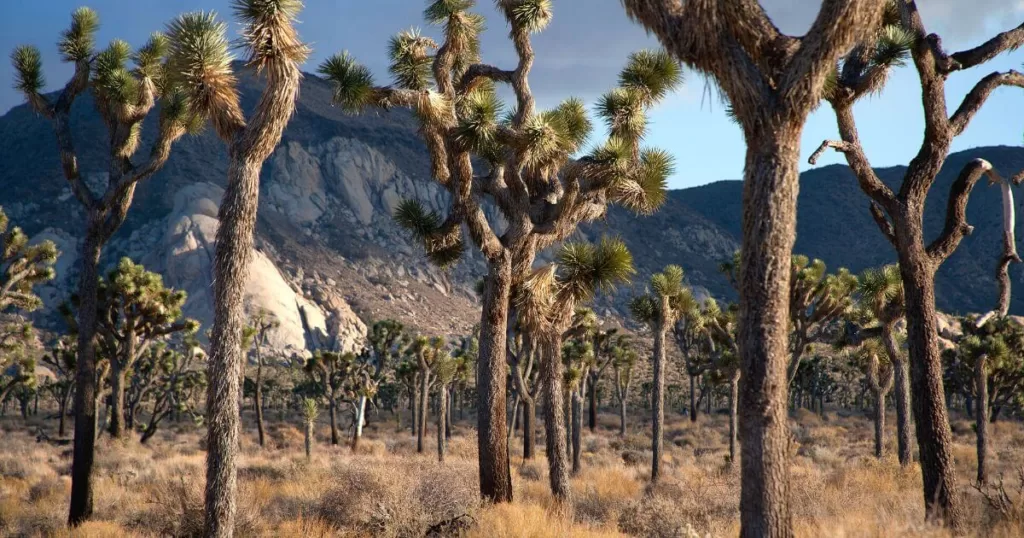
(177, 510)
(531, 470)
(601, 493)
(519, 520)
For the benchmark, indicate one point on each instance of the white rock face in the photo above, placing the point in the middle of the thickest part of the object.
(185, 253)
(360, 177)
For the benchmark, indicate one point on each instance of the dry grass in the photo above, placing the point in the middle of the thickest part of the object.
(386, 489)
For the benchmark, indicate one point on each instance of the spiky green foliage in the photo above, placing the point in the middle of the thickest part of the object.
(893, 46)
(653, 73)
(439, 11)
(111, 79)
(1001, 342)
(569, 120)
(353, 83)
(880, 294)
(586, 268)
(200, 61)
(310, 410)
(462, 30)
(669, 297)
(648, 190)
(28, 69)
(624, 112)
(268, 32)
(149, 58)
(77, 42)
(22, 268)
(478, 121)
(533, 15)
(442, 247)
(411, 61)
(643, 308)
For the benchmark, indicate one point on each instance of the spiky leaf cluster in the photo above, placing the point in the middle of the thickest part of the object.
(653, 73)
(77, 42)
(443, 246)
(268, 32)
(533, 15)
(22, 268)
(353, 83)
(200, 62)
(28, 69)
(411, 60)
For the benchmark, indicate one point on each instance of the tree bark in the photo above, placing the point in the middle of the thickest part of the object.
(442, 419)
(771, 183)
(622, 418)
(415, 408)
(734, 396)
(357, 434)
(309, 439)
(658, 415)
(424, 393)
(259, 399)
(879, 423)
(901, 395)
(81, 506)
(332, 409)
(117, 381)
(577, 430)
(529, 433)
(554, 418)
(981, 419)
(63, 406)
(593, 403)
(934, 438)
(492, 439)
(693, 398)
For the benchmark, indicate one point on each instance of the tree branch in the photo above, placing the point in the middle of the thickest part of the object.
(956, 227)
(1002, 42)
(883, 223)
(477, 73)
(977, 96)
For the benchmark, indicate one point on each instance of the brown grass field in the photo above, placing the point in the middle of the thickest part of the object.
(387, 490)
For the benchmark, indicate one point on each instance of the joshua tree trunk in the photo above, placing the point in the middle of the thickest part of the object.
(117, 381)
(421, 431)
(622, 418)
(415, 408)
(934, 438)
(577, 428)
(554, 417)
(693, 398)
(332, 410)
(593, 403)
(360, 421)
(658, 420)
(734, 396)
(879, 424)
(901, 395)
(981, 387)
(85, 379)
(62, 405)
(771, 181)
(259, 398)
(529, 435)
(442, 420)
(492, 440)
(309, 439)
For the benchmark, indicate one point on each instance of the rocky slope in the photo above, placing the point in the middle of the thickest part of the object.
(327, 241)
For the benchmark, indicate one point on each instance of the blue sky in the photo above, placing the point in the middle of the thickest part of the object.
(580, 54)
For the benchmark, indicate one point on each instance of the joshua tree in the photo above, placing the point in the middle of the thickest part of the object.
(880, 381)
(261, 324)
(175, 378)
(200, 56)
(816, 300)
(546, 304)
(690, 332)
(578, 354)
(123, 98)
(429, 353)
(60, 359)
(772, 82)
(523, 362)
(900, 215)
(332, 372)
(659, 310)
(22, 268)
(135, 310)
(605, 341)
(623, 365)
(446, 368)
(383, 343)
(880, 302)
(310, 410)
(532, 183)
(722, 324)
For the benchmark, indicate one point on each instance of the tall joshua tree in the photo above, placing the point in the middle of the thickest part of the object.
(622, 365)
(261, 324)
(880, 302)
(660, 310)
(201, 60)
(605, 342)
(124, 98)
(772, 81)
(531, 180)
(900, 214)
(880, 381)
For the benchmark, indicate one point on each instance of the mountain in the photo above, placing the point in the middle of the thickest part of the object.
(327, 242)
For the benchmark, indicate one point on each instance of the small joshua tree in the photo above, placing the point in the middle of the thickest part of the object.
(690, 332)
(659, 310)
(532, 181)
(578, 355)
(546, 304)
(261, 324)
(880, 381)
(383, 345)
(124, 98)
(172, 379)
(722, 325)
(900, 214)
(135, 311)
(332, 372)
(623, 364)
(310, 410)
(605, 341)
(60, 359)
(880, 305)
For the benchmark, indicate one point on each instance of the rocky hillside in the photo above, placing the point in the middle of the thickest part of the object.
(327, 242)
